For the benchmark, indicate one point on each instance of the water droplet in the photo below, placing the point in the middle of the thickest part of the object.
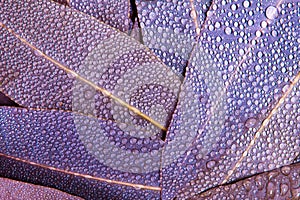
(38, 52)
(246, 4)
(258, 33)
(88, 94)
(264, 24)
(80, 39)
(271, 190)
(271, 12)
(233, 7)
(217, 25)
(228, 30)
(257, 68)
(250, 123)
(152, 15)
(284, 188)
(210, 164)
(285, 170)
(193, 14)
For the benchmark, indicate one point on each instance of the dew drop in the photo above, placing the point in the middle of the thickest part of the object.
(233, 7)
(250, 123)
(271, 12)
(38, 52)
(210, 164)
(271, 190)
(247, 185)
(258, 33)
(193, 14)
(264, 24)
(246, 4)
(257, 68)
(88, 94)
(228, 30)
(284, 188)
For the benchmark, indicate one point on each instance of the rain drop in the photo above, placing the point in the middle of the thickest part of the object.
(210, 164)
(246, 4)
(271, 12)
(271, 190)
(228, 30)
(285, 170)
(284, 188)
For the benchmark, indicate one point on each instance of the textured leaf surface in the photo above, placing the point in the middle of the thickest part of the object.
(170, 28)
(283, 183)
(82, 146)
(65, 60)
(238, 111)
(74, 184)
(10, 189)
(115, 13)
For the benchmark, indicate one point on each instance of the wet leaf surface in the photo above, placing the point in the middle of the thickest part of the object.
(282, 183)
(10, 189)
(97, 103)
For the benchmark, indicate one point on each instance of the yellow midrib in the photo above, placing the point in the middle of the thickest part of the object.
(77, 76)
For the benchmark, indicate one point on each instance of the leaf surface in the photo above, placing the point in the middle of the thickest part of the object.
(10, 189)
(282, 183)
(115, 13)
(81, 146)
(237, 113)
(65, 60)
(172, 35)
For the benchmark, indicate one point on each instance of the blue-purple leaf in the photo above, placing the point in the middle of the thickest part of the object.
(238, 112)
(10, 189)
(97, 101)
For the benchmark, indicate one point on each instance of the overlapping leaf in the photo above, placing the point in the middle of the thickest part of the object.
(283, 183)
(170, 28)
(10, 189)
(238, 112)
(82, 146)
(72, 58)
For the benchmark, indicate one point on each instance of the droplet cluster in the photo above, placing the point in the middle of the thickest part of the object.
(171, 35)
(11, 188)
(114, 13)
(282, 183)
(53, 138)
(255, 58)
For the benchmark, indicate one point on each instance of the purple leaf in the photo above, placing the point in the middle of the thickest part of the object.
(86, 66)
(81, 146)
(238, 111)
(5, 101)
(283, 183)
(10, 189)
(97, 101)
(170, 28)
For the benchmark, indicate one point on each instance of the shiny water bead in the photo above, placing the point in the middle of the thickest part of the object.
(171, 35)
(73, 51)
(262, 186)
(253, 68)
(113, 12)
(271, 12)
